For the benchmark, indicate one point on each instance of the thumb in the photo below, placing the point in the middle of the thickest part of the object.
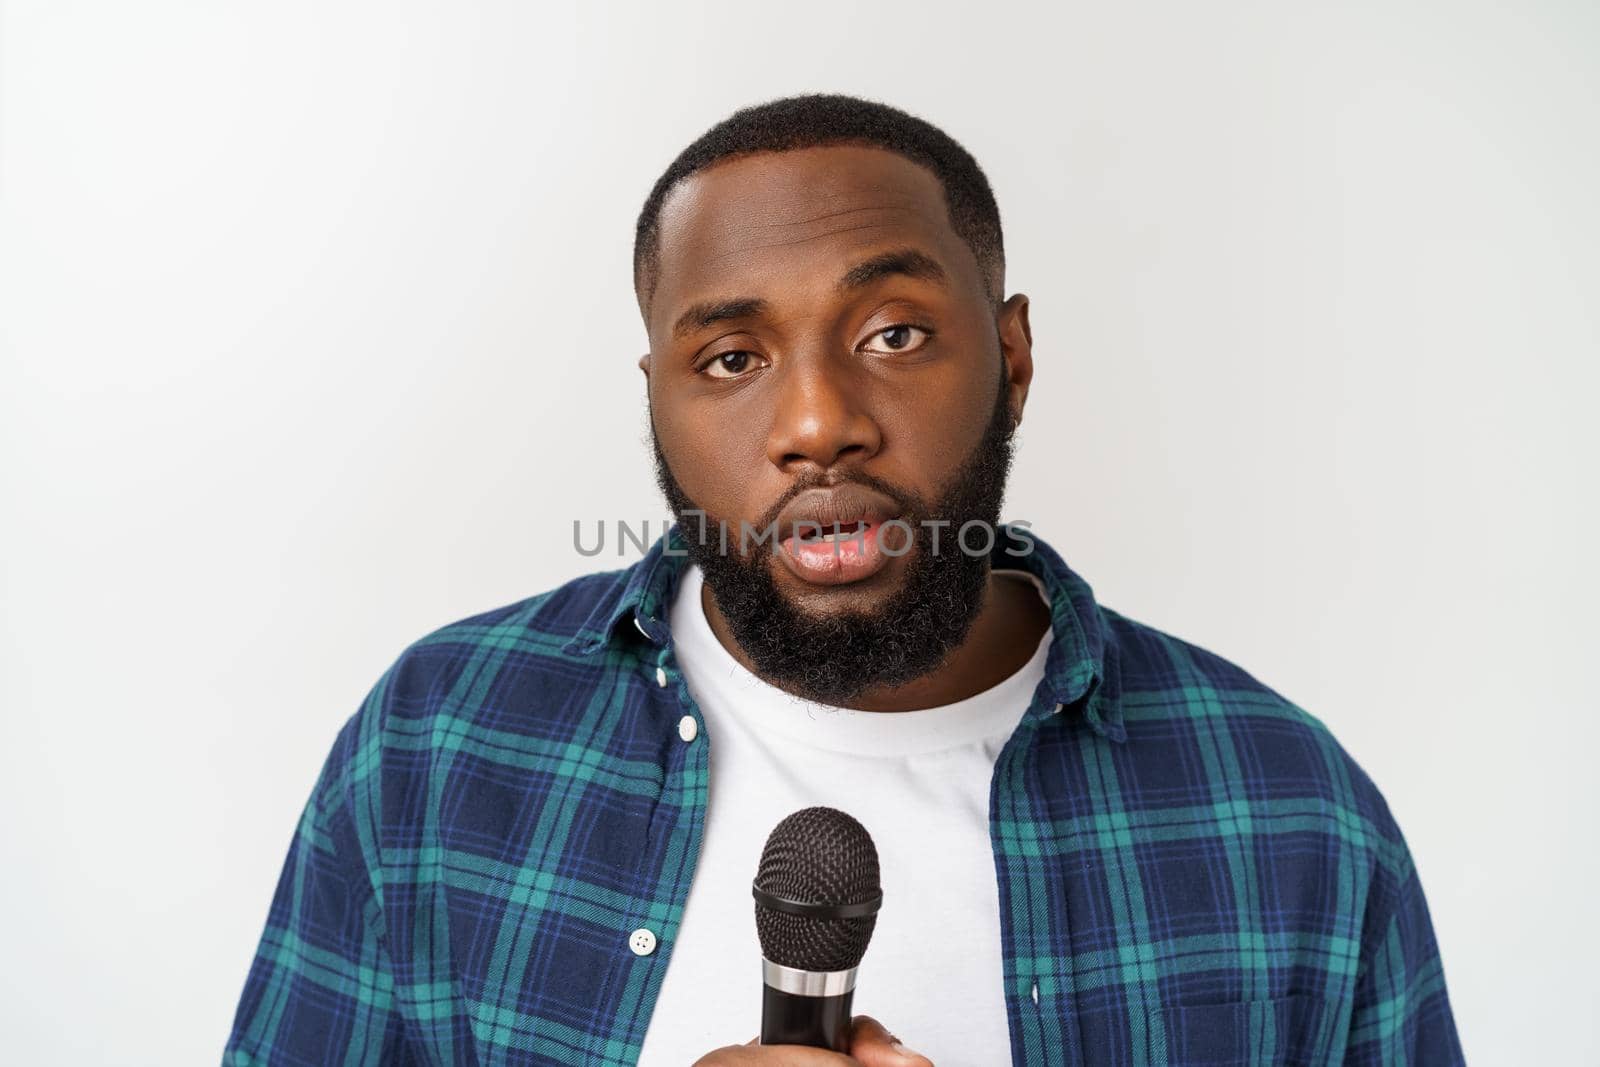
(875, 1046)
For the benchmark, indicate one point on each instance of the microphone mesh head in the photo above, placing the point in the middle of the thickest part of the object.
(817, 856)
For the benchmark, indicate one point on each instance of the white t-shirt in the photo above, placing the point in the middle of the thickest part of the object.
(917, 780)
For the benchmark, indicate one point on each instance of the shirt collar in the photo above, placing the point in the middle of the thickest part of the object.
(1080, 673)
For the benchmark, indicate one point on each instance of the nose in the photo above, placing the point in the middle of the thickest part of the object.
(821, 418)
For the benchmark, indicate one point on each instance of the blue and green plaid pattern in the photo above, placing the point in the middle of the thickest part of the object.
(1192, 871)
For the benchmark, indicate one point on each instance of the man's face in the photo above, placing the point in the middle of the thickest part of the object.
(823, 343)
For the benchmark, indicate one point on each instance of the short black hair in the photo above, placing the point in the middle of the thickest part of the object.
(817, 119)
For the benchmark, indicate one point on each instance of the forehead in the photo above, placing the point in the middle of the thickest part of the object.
(795, 221)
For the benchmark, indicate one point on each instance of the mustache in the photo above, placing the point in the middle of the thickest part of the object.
(910, 505)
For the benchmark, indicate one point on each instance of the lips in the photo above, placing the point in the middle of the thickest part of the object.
(830, 536)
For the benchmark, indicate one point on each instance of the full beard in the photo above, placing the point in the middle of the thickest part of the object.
(832, 659)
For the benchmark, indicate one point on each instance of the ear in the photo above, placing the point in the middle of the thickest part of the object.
(1016, 347)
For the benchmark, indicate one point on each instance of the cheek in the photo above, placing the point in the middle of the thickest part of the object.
(718, 456)
(931, 429)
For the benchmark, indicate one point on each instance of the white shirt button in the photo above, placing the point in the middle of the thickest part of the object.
(661, 677)
(688, 729)
(642, 941)
(639, 624)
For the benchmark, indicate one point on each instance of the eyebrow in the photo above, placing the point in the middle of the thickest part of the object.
(903, 262)
(710, 312)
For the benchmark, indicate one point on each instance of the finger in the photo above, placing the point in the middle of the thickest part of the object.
(873, 1044)
(756, 1054)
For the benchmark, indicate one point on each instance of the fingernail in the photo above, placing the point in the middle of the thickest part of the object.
(900, 1050)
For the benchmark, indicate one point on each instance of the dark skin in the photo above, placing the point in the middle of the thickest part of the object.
(768, 360)
(774, 355)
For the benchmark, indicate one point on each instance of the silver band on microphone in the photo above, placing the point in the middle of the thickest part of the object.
(807, 983)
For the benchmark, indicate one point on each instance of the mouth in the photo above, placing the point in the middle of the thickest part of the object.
(843, 552)
(831, 535)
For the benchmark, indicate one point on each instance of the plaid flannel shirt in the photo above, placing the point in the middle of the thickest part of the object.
(1191, 870)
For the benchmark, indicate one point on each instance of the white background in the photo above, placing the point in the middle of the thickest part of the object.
(318, 334)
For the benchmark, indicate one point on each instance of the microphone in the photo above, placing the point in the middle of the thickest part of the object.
(817, 895)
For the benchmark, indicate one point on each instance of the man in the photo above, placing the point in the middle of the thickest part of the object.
(1100, 844)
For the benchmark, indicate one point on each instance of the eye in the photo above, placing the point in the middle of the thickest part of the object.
(897, 340)
(729, 365)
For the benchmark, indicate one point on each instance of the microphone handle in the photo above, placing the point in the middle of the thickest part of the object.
(793, 1019)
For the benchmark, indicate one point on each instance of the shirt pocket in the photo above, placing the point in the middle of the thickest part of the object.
(1289, 1031)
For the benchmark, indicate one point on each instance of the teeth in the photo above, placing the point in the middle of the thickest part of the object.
(845, 531)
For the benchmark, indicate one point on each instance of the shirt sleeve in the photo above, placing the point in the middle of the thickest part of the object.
(1402, 1010)
(321, 987)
